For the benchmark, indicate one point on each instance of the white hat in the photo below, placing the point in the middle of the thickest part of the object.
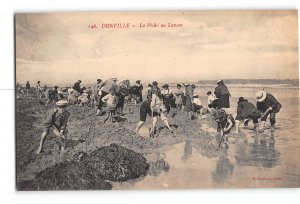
(261, 96)
(114, 78)
(61, 103)
(219, 81)
(85, 91)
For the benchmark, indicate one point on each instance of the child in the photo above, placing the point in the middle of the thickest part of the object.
(225, 123)
(57, 119)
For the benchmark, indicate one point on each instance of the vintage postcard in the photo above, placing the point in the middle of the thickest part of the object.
(157, 100)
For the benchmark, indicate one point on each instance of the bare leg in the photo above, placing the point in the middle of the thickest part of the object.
(47, 102)
(138, 126)
(60, 138)
(167, 124)
(237, 126)
(201, 112)
(42, 141)
(154, 122)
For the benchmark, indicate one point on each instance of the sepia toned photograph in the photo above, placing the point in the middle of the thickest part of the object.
(157, 100)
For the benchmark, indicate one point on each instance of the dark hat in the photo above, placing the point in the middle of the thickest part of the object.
(149, 84)
(138, 81)
(241, 99)
(178, 85)
(55, 87)
(193, 86)
(79, 81)
(99, 80)
(155, 83)
(209, 92)
(38, 82)
(166, 86)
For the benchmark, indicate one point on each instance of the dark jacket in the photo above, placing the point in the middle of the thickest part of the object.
(58, 120)
(270, 101)
(221, 89)
(27, 86)
(153, 91)
(244, 109)
(77, 87)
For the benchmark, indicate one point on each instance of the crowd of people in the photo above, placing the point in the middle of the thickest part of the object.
(110, 98)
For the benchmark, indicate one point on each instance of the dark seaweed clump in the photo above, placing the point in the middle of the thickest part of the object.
(90, 171)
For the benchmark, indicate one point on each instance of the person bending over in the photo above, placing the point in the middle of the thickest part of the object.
(155, 109)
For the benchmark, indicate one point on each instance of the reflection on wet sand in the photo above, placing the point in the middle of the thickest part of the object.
(188, 150)
(185, 166)
(260, 154)
(223, 169)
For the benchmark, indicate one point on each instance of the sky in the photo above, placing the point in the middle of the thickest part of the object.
(60, 48)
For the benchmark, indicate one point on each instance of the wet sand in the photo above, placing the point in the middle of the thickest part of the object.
(187, 158)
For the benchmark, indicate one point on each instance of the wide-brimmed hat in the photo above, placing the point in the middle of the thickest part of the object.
(219, 80)
(61, 103)
(261, 96)
(114, 78)
(241, 99)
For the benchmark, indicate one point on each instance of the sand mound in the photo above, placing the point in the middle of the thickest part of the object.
(88, 172)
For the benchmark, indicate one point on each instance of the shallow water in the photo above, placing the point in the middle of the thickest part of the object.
(274, 163)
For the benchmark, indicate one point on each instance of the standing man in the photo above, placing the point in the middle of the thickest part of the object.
(106, 87)
(77, 87)
(27, 87)
(52, 95)
(154, 90)
(222, 93)
(98, 86)
(39, 89)
(57, 119)
(268, 105)
(140, 90)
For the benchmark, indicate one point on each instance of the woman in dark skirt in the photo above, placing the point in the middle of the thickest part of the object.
(222, 93)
